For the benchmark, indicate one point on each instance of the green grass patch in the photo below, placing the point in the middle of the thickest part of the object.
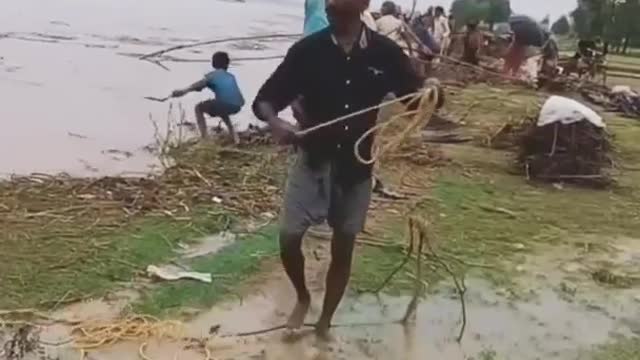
(65, 269)
(486, 220)
(372, 265)
(627, 349)
(229, 267)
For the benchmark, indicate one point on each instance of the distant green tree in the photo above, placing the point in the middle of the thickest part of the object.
(614, 21)
(499, 11)
(625, 25)
(490, 11)
(561, 26)
(581, 21)
(465, 10)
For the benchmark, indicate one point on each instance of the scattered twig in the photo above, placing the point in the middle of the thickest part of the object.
(412, 307)
(498, 210)
(402, 264)
(461, 288)
(265, 331)
(158, 63)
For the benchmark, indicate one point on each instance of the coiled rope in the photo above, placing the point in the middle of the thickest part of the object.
(389, 137)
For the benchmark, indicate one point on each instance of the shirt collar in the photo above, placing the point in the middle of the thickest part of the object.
(363, 42)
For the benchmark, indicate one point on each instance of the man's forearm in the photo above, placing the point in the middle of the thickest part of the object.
(197, 86)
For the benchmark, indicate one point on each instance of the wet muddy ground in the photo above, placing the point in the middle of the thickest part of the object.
(73, 87)
(555, 311)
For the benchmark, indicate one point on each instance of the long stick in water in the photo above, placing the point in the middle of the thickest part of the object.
(217, 41)
(157, 99)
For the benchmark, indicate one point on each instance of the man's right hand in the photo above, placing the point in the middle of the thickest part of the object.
(283, 132)
(178, 93)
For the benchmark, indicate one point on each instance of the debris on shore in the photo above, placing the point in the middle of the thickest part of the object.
(568, 143)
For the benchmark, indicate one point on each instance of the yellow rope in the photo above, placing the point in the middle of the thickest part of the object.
(91, 336)
(389, 138)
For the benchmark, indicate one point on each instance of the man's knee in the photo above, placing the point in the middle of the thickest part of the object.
(290, 240)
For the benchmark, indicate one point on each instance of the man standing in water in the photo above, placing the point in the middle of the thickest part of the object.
(353, 69)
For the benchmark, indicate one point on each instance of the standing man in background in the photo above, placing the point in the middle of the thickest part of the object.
(441, 30)
(473, 42)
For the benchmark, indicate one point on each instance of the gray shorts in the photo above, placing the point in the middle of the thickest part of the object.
(312, 196)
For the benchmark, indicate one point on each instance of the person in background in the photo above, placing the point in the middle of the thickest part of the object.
(397, 30)
(516, 56)
(327, 181)
(393, 27)
(388, 24)
(228, 100)
(315, 16)
(421, 29)
(429, 19)
(441, 30)
(369, 20)
(452, 23)
(473, 42)
(550, 56)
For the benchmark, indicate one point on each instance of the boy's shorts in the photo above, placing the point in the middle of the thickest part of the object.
(217, 108)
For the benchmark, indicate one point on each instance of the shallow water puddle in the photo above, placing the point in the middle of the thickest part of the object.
(545, 327)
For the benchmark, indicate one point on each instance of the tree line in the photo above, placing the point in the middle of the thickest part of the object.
(489, 11)
(616, 22)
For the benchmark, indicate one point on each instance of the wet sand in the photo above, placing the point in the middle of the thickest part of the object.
(72, 93)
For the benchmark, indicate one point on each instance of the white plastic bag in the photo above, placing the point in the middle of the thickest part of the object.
(567, 111)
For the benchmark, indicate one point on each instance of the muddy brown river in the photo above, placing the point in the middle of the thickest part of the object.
(73, 89)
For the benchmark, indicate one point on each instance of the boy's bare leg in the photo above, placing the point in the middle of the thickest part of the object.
(202, 123)
(232, 131)
(337, 279)
(293, 262)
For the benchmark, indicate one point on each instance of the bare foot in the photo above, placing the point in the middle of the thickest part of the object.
(296, 319)
(322, 331)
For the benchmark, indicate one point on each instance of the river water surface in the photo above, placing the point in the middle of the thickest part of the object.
(72, 90)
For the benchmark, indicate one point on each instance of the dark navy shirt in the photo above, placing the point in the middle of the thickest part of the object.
(333, 84)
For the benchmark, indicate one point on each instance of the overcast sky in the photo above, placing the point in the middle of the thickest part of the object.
(535, 8)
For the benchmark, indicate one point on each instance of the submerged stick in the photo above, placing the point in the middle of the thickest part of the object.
(217, 41)
(461, 288)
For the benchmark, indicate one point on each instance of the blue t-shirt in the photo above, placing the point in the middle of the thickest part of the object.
(315, 16)
(224, 85)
